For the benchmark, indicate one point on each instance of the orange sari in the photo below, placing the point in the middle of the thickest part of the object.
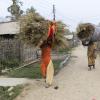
(45, 59)
(46, 62)
(47, 65)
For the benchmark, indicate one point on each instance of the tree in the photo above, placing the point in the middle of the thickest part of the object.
(15, 9)
(30, 10)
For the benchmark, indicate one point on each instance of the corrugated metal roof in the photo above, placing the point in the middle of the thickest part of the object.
(9, 28)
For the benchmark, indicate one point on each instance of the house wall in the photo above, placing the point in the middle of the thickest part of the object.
(9, 49)
(13, 51)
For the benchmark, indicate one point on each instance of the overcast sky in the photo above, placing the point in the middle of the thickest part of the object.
(71, 12)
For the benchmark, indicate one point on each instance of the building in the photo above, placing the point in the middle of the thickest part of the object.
(9, 29)
(12, 50)
(9, 45)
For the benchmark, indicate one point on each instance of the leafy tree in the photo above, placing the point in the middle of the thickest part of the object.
(15, 9)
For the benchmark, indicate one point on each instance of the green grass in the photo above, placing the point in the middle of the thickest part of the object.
(5, 94)
(9, 63)
(32, 71)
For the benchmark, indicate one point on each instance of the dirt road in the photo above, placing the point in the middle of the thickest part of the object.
(75, 82)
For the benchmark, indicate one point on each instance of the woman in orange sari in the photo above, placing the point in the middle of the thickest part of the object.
(46, 62)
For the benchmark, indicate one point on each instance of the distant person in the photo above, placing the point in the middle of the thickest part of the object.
(91, 53)
(89, 34)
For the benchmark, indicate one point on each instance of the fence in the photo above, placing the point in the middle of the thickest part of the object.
(14, 53)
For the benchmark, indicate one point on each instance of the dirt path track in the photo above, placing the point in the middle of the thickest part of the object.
(75, 82)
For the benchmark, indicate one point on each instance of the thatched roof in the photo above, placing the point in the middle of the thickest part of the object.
(9, 28)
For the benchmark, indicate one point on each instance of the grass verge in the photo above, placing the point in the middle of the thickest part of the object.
(32, 71)
(9, 93)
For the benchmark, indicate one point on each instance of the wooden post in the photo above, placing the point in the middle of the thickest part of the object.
(54, 12)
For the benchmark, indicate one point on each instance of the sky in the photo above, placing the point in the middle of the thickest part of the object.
(71, 12)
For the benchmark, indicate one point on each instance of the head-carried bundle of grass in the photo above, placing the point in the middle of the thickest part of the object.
(34, 29)
(85, 30)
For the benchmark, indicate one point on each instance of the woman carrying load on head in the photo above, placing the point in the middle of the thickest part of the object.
(91, 53)
(88, 34)
(46, 61)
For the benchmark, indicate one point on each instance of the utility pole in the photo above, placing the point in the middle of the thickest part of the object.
(54, 11)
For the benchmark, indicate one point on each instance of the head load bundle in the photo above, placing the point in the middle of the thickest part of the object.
(85, 30)
(88, 33)
(34, 30)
